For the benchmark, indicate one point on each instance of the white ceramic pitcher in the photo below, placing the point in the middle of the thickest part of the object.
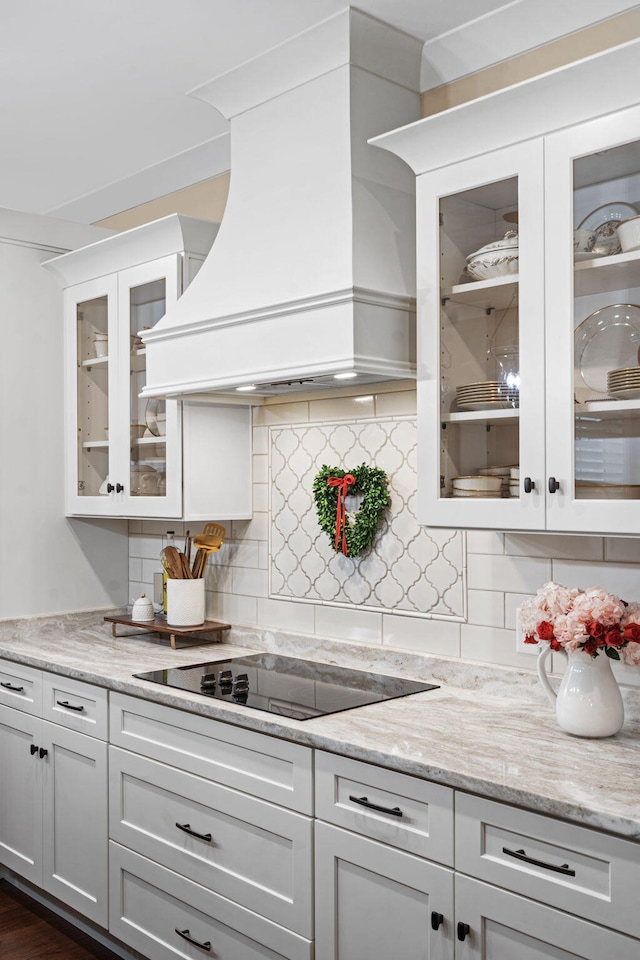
(588, 703)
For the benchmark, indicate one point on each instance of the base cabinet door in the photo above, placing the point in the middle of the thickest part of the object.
(493, 924)
(74, 818)
(20, 795)
(374, 902)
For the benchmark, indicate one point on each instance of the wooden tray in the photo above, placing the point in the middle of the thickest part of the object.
(159, 625)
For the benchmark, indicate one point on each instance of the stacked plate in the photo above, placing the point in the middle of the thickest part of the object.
(478, 486)
(624, 384)
(489, 394)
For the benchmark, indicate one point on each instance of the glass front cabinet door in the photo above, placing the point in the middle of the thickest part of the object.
(593, 325)
(481, 341)
(123, 452)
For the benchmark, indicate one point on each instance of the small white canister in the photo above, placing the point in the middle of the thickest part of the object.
(185, 603)
(142, 610)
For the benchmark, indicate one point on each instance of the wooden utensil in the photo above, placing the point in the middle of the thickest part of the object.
(206, 543)
(174, 565)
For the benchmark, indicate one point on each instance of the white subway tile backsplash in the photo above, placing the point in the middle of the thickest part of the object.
(135, 569)
(342, 408)
(260, 497)
(400, 404)
(485, 608)
(260, 468)
(255, 529)
(146, 548)
(260, 439)
(623, 579)
(622, 550)
(287, 615)
(279, 413)
(485, 541)
(511, 603)
(554, 546)
(439, 637)
(491, 645)
(513, 574)
(250, 582)
(237, 610)
(361, 626)
(241, 553)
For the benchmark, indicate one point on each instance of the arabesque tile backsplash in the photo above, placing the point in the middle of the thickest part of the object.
(501, 569)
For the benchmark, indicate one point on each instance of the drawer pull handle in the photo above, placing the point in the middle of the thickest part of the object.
(521, 855)
(463, 931)
(9, 686)
(394, 811)
(33, 748)
(70, 706)
(42, 753)
(193, 833)
(437, 919)
(187, 936)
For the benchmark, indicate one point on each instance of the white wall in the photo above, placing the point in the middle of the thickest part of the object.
(48, 564)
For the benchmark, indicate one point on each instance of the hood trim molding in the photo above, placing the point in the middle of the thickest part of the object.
(350, 295)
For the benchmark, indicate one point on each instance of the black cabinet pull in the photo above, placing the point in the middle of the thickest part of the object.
(110, 488)
(70, 706)
(9, 686)
(33, 749)
(394, 811)
(521, 855)
(119, 488)
(193, 833)
(437, 920)
(553, 485)
(187, 936)
(42, 753)
(529, 484)
(463, 931)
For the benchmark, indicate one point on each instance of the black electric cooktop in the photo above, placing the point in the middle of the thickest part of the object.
(286, 686)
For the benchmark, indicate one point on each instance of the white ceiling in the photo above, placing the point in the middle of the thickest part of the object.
(95, 116)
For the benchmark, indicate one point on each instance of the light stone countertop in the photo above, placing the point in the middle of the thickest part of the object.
(486, 730)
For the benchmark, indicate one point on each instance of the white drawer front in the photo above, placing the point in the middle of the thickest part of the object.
(77, 705)
(21, 687)
(260, 765)
(250, 851)
(148, 904)
(582, 871)
(397, 809)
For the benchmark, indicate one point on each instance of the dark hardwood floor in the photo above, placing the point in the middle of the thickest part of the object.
(28, 931)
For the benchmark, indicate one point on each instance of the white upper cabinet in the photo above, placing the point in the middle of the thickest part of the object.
(528, 308)
(124, 453)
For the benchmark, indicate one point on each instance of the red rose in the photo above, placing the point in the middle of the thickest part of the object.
(614, 638)
(530, 638)
(555, 645)
(591, 647)
(632, 632)
(545, 631)
(596, 630)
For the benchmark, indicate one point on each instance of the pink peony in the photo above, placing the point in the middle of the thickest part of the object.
(631, 654)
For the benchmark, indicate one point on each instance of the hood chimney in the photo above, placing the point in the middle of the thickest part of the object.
(312, 273)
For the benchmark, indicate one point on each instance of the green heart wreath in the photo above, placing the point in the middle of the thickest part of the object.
(350, 535)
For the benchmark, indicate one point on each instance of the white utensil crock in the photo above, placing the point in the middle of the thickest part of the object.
(588, 703)
(185, 603)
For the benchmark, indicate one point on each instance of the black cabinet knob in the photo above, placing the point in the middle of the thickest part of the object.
(42, 753)
(437, 920)
(463, 931)
(529, 485)
(110, 488)
(33, 749)
(119, 488)
(553, 485)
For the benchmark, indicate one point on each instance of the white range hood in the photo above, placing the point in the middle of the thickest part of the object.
(312, 273)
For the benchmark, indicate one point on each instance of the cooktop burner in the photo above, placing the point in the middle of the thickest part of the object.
(286, 686)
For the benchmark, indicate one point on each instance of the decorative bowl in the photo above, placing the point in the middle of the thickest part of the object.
(629, 234)
(496, 259)
(477, 484)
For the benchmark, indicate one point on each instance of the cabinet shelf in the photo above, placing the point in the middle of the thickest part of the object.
(498, 292)
(619, 272)
(93, 444)
(95, 362)
(483, 416)
(150, 441)
(608, 409)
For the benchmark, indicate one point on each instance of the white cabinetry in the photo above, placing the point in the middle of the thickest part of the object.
(219, 818)
(53, 798)
(513, 367)
(124, 454)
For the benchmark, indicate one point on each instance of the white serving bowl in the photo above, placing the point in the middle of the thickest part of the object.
(629, 234)
(478, 484)
(514, 473)
(494, 471)
(495, 259)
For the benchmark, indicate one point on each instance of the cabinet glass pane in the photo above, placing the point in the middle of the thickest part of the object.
(147, 304)
(479, 377)
(606, 322)
(92, 396)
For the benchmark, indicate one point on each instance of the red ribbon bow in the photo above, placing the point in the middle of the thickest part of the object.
(343, 484)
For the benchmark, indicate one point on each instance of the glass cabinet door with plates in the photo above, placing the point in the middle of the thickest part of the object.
(119, 446)
(593, 325)
(481, 366)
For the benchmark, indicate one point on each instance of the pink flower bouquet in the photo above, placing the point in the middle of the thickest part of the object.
(590, 620)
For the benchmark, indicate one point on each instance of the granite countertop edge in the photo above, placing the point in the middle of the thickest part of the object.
(504, 748)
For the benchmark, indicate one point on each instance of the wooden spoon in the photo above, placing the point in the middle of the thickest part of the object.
(172, 562)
